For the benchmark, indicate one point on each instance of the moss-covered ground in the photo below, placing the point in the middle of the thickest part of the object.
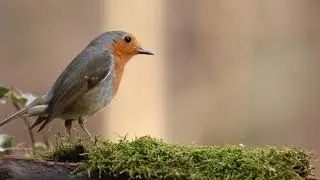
(150, 158)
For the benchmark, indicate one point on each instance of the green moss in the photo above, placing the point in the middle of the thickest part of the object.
(67, 150)
(149, 158)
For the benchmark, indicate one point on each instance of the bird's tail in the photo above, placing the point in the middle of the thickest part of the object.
(14, 116)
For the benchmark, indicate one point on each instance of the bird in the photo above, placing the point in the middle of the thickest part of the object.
(87, 85)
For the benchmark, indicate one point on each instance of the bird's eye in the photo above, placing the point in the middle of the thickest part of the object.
(127, 39)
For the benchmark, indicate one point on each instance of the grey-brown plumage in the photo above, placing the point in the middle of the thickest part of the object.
(87, 84)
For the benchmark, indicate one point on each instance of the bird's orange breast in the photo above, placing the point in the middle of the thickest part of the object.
(120, 62)
(119, 68)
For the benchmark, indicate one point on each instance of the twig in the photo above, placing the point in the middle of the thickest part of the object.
(31, 136)
(25, 119)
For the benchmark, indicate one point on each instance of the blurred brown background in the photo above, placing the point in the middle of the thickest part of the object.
(224, 71)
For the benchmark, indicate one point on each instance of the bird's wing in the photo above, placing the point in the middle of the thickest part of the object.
(84, 73)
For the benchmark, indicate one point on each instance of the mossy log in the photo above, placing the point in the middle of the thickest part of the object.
(12, 168)
(149, 158)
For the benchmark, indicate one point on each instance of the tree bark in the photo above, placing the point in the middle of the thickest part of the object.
(24, 169)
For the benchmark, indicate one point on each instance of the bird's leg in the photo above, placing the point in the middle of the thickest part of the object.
(82, 123)
(68, 125)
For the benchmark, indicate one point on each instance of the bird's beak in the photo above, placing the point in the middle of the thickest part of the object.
(143, 51)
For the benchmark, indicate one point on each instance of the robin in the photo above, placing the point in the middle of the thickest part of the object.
(87, 84)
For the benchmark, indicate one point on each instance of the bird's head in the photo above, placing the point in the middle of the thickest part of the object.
(122, 44)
